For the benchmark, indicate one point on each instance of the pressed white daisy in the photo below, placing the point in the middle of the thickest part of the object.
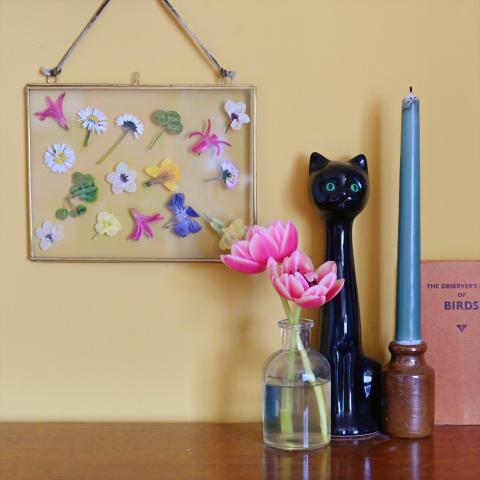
(92, 119)
(59, 157)
(122, 179)
(48, 234)
(129, 123)
(236, 113)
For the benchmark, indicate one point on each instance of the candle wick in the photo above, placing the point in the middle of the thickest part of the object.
(411, 89)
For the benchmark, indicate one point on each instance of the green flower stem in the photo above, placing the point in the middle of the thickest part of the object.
(317, 389)
(286, 413)
(155, 138)
(70, 206)
(220, 177)
(87, 136)
(113, 147)
(228, 126)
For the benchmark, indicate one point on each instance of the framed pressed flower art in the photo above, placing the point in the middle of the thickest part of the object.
(139, 173)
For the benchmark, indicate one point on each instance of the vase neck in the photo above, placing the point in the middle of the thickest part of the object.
(291, 332)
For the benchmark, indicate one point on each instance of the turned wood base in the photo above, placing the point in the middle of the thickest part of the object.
(408, 392)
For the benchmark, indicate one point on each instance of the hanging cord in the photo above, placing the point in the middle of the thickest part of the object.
(223, 72)
(52, 73)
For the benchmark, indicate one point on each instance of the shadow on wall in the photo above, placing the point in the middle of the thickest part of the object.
(224, 370)
(315, 244)
(366, 234)
(367, 237)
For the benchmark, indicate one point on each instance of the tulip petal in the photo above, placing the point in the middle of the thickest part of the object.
(308, 301)
(328, 280)
(289, 240)
(317, 291)
(298, 261)
(253, 230)
(338, 285)
(240, 249)
(281, 288)
(262, 246)
(295, 287)
(302, 280)
(326, 268)
(272, 269)
(242, 265)
(276, 231)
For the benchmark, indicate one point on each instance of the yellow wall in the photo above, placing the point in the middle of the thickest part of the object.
(187, 342)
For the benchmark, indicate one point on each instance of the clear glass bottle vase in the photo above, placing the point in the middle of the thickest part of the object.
(296, 397)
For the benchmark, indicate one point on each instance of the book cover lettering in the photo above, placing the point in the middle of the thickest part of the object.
(451, 329)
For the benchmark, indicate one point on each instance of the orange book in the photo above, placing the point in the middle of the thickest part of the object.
(451, 329)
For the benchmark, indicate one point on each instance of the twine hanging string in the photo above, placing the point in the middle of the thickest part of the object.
(224, 74)
(52, 73)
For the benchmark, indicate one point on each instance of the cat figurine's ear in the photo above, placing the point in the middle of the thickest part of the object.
(360, 161)
(317, 162)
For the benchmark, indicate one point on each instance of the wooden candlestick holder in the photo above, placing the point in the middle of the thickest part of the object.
(408, 392)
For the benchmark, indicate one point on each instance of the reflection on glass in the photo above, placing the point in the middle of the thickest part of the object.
(415, 460)
(357, 459)
(282, 465)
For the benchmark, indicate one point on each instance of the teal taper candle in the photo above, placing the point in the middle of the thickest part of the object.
(407, 328)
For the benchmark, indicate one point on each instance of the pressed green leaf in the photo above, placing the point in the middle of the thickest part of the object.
(61, 213)
(175, 128)
(90, 194)
(77, 178)
(170, 120)
(160, 117)
(85, 192)
(80, 210)
(173, 117)
(88, 179)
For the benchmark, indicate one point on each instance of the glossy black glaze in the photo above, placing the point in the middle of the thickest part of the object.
(355, 378)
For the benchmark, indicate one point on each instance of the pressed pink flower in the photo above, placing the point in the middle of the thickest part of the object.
(251, 255)
(142, 226)
(207, 140)
(54, 110)
(295, 279)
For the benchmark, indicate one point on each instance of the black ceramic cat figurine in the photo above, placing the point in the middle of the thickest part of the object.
(339, 190)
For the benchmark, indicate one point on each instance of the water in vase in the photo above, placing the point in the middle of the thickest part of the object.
(291, 416)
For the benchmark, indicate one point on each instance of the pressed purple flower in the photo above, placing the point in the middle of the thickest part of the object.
(229, 174)
(236, 114)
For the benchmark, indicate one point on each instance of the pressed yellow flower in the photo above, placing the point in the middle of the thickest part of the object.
(166, 174)
(107, 224)
(231, 233)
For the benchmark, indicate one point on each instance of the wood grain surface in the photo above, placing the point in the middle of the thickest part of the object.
(155, 451)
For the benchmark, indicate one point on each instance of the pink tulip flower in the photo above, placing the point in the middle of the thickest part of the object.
(295, 279)
(251, 255)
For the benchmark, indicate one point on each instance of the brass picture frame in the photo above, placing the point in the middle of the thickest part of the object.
(44, 185)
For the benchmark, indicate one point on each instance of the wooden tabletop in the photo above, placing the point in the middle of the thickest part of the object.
(156, 451)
